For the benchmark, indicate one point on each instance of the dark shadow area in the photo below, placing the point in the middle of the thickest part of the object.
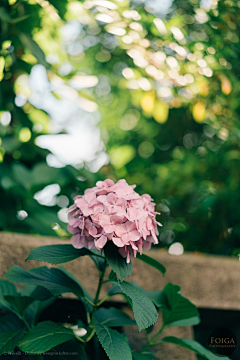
(213, 319)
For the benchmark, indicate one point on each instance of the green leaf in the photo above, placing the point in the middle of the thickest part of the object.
(43, 299)
(116, 261)
(177, 310)
(115, 345)
(9, 340)
(88, 306)
(60, 6)
(10, 322)
(36, 292)
(112, 276)
(62, 351)
(19, 303)
(115, 290)
(35, 309)
(98, 260)
(139, 356)
(6, 288)
(27, 41)
(54, 280)
(44, 337)
(58, 254)
(194, 346)
(144, 311)
(4, 16)
(152, 262)
(113, 317)
(155, 296)
(22, 175)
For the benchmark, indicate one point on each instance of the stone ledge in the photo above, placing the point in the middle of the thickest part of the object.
(202, 279)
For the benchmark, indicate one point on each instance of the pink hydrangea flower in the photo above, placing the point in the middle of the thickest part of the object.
(113, 212)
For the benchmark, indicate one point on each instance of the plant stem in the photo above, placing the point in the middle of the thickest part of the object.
(25, 322)
(77, 337)
(88, 318)
(158, 333)
(104, 299)
(157, 342)
(91, 335)
(99, 288)
(89, 301)
(106, 281)
(152, 341)
(91, 330)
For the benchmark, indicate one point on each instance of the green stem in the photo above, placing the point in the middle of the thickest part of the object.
(91, 335)
(25, 322)
(158, 333)
(106, 281)
(91, 330)
(89, 301)
(152, 341)
(104, 299)
(99, 288)
(88, 318)
(80, 339)
(157, 343)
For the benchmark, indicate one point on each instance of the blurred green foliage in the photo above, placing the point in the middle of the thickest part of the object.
(168, 94)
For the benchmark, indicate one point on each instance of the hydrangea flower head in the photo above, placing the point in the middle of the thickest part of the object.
(113, 212)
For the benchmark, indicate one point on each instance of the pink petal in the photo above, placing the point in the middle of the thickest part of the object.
(78, 241)
(111, 198)
(133, 245)
(132, 213)
(135, 235)
(109, 228)
(100, 242)
(120, 230)
(102, 199)
(104, 220)
(129, 225)
(154, 237)
(91, 245)
(80, 202)
(126, 238)
(147, 245)
(122, 252)
(73, 230)
(128, 257)
(87, 210)
(118, 242)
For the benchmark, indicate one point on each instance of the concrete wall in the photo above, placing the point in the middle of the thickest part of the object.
(208, 281)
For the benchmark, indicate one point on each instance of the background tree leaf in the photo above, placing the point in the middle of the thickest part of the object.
(35, 49)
